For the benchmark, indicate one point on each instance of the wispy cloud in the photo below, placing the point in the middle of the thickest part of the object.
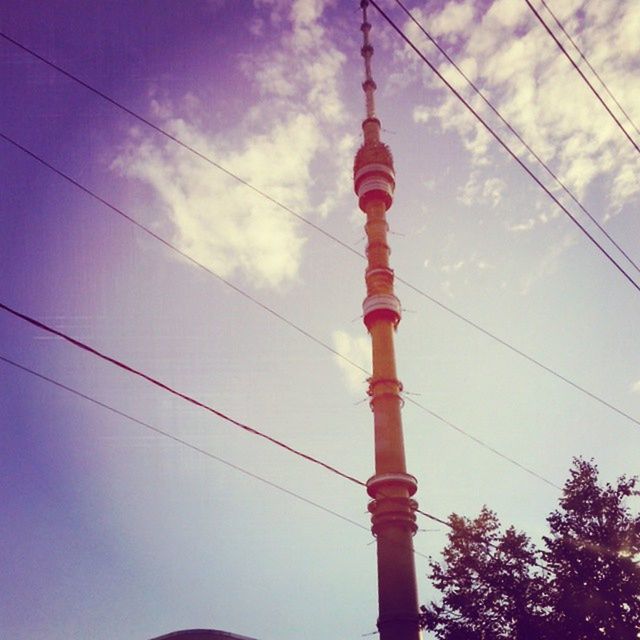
(536, 89)
(459, 272)
(299, 116)
(548, 265)
(477, 190)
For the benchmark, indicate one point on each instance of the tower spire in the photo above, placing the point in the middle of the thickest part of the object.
(371, 124)
(391, 488)
(368, 86)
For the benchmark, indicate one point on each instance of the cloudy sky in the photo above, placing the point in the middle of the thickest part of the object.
(111, 531)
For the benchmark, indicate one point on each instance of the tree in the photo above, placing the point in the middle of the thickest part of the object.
(584, 584)
(491, 587)
(592, 553)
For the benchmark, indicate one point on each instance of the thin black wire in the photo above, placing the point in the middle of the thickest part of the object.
(185, 255)
(595, 73)
(128, 218)
(516, 133)
(519, 352)
(434, 518)
(577, 68)
(179, 394)
(531, 472)
(343, 244)
(503, 144)
(179, 142)
(184, 443)
(184, 396)
(210, 455)
(204, 406)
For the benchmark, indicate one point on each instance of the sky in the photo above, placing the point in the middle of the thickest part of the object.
(110, 531)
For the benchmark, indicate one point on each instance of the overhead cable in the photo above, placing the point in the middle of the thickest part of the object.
(521, 353)
(586, 61)
(178, 141)
(206, 453)
(180, 441)
(168, 244)
(175, 392)
(504, 145)
(517, 134)
(580, 72)
(179, 251)
(308, 222)
(483, 444)
(212, 456)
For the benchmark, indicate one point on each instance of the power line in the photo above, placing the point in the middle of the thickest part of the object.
(504, 145)
(595, 73)
(577, 68)
(531, 472)
(191, 400)
(516, 133)
(180, 441)
(132, 220)
(519, 352)
(206, 407)
(328, 235)
(179, 394)
(120, 212)
(179, 251)
(179, 142)
(210, 455)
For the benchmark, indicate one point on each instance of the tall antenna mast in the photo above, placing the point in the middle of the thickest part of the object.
(391, 488)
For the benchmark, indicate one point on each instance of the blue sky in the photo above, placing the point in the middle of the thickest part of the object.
(110, 531)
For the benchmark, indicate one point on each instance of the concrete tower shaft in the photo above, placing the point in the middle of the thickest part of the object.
(391, 488)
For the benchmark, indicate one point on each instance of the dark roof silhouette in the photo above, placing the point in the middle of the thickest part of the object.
(202, 634)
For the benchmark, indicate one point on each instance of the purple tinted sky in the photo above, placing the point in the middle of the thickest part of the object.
(109, 531)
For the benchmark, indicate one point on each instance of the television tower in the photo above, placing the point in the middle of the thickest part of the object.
(391, 488)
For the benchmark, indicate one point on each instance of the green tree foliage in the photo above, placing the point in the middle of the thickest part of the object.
(583, 585)
(592, 553)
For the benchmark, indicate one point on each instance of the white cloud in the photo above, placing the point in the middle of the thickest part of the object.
(216, 219)
(527, 225)
(548, 265)
(469, 67)
(219, 221)
(307, 60)
(256, 27)
(506, 14)
(421, 114)
(358, 349)
(452, 268)
(475, 191)
(460, 272)
(536, 89)
(635, 387)
(274, 79)
(446, 288)
(454, 18)
(482, 265)
(628, 29)
(492, 189)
